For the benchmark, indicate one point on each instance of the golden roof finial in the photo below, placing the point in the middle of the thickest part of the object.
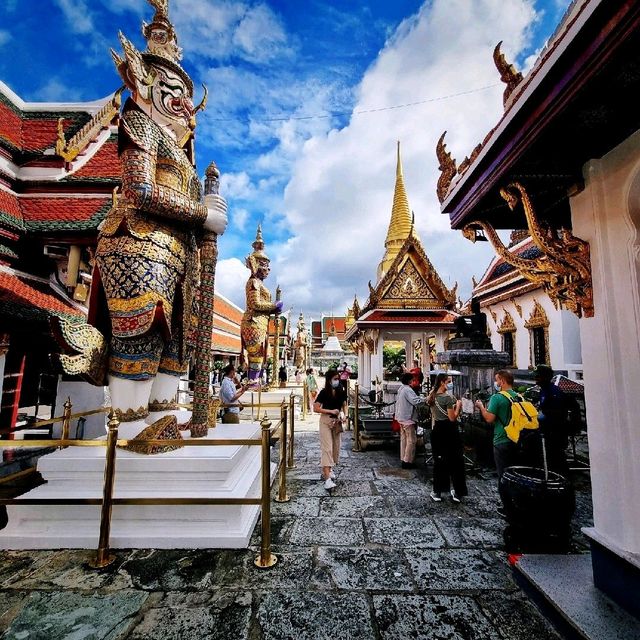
(401, 225)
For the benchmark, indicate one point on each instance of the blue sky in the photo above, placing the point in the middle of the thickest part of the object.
(322, 185)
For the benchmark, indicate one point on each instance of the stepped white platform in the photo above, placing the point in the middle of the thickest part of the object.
(211, 472)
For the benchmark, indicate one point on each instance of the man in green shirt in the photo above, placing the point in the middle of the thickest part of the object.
(498, 413)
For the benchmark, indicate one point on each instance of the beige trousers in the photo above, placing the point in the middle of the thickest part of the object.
(408, 441)
(329, 443)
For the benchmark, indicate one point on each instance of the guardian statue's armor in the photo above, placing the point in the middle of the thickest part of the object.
(146, 274)
(255, 321)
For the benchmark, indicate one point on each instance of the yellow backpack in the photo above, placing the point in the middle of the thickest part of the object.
(523, 416)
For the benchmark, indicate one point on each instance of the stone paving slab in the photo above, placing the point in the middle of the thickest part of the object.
(237, 569)
(64, 615)
(11, 603)
(516, 617)
(458, 570)
(368, 569)
(404, 533)
(298, 506)
(399, 487)
(472, 533)
(357, 507)
(219, 617)
(315, 616)
(431, 617)
(171, 569)
(328, 531)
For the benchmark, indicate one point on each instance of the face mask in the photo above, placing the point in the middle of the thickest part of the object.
(496, 386)
(335, 383)
(449, 386)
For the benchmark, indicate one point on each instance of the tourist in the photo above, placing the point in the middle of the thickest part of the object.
(282, 376)
(498, 413)
(553, 420)
(298, 376)
(312, 387)
(331, 404)
(345, 374)
(229, 396)
(446, 441)
(406, 401)
(418, 376)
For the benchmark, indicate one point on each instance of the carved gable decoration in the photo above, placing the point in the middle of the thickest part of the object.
(538, 317)
(412, 282)
(507, 325)
(409, 285)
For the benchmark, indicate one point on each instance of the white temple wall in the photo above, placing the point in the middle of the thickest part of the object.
(563, 330)
(607, 215)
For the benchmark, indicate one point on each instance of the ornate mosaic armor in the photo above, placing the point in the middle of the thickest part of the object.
(146, 257)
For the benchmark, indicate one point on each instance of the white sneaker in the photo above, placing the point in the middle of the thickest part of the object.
(435, 496)
(329, 484)
(454, 496)
(332, 475)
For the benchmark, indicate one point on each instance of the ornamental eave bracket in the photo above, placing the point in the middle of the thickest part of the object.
(563, 270)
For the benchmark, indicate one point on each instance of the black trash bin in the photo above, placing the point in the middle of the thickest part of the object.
(539, 507)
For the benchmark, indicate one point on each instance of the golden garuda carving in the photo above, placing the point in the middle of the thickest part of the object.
(447, 167)
(508, 73)
(255, 320)
(563, 270)
(146, 271)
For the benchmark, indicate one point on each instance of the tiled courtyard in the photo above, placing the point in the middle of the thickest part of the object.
(375, 560)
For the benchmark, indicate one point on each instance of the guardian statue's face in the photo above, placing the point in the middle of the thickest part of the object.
(171, 101)
(263, 269)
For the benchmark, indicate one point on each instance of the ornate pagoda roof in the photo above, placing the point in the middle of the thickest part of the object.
(411, 282)
(401, 223)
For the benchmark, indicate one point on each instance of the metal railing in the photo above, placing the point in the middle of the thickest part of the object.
(104, 557)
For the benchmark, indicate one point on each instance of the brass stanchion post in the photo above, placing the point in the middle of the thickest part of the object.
(266, 559)
(282, 466)
(252, 403)
(103, 557)
(356, 420)
(292, 422)
(66, 419)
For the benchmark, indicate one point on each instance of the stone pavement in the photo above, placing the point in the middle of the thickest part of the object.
(375, 560)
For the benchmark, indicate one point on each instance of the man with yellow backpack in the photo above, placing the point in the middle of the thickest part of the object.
(510, 415)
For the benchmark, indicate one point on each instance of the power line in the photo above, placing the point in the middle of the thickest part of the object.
(373, 110)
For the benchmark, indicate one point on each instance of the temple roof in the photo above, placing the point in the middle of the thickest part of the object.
(26, 298)
(571, 107)
(401, 223)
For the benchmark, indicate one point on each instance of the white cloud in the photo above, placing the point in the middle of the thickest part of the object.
(239, 219)
(338, 201)
(231, 277)
(218, 30)
(5, 36)
(79, 18)
(55, 91)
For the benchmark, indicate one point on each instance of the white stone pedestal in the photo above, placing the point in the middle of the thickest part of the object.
(207, 472)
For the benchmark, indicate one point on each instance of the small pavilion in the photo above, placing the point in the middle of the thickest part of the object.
(409, 303)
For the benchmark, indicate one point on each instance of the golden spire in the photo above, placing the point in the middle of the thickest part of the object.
(401, 225)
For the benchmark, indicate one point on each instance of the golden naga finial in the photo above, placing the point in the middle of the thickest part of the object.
(563, 270)
(508, 73)
(447, 168)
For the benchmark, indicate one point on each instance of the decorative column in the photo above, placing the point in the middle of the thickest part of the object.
(607, 215)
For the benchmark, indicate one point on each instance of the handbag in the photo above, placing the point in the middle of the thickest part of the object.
(395, 425)
(336, 425)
